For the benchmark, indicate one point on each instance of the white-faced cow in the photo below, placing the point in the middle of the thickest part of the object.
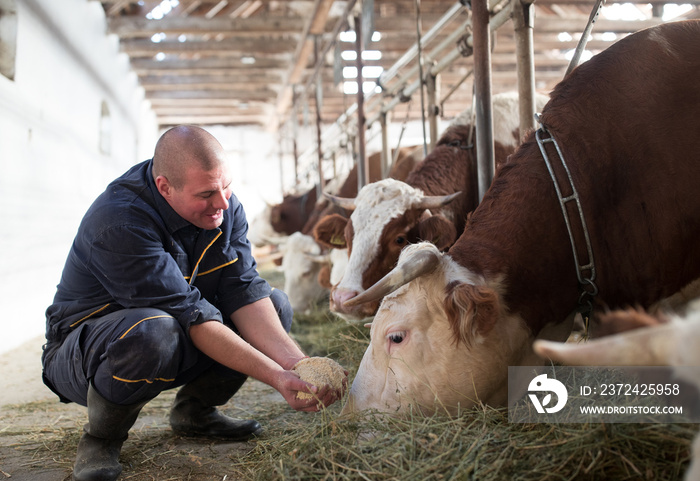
(306, 264)
(663, 341)
(389, 215)
(626, 124)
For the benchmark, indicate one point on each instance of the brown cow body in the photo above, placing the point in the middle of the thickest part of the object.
(626, 124)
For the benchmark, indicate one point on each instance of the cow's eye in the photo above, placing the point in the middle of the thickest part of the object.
(400, 240)
(397, 337)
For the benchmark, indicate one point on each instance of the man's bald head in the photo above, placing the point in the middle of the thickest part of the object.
(184, 146)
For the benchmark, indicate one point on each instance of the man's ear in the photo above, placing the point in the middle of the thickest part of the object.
(163, 186)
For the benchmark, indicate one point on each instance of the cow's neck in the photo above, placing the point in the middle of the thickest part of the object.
(518, 233)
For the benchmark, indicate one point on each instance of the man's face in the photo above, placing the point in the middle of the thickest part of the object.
(203, 198)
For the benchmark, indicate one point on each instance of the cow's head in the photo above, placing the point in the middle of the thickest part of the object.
(301, 265)
(293, 212)
(386, 217)
(440, 342)
(638, 339)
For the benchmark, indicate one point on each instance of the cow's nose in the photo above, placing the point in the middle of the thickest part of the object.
(339, 297)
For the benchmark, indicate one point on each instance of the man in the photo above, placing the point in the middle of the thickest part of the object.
(159, 291)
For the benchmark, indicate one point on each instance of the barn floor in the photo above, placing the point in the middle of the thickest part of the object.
(39, 435)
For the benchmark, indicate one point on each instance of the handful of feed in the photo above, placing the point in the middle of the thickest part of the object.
(319, 371)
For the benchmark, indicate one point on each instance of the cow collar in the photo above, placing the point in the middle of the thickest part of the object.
(459, 144)
(586, 273)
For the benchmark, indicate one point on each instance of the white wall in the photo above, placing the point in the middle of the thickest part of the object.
(253, 153)
(51, 164)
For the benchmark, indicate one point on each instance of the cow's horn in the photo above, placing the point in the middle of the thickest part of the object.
(649, 346)
(269, 257)
(344, 202)
(274, 240)
(419, 263)
(435, 201)
(318, 258)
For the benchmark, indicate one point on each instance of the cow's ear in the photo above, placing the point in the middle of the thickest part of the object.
(471, 310)
(324, 276)
(330, 231)
(437, 230)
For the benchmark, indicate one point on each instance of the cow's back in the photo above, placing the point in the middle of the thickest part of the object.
(626, 122)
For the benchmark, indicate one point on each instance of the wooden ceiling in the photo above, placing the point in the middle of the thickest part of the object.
(258, 62)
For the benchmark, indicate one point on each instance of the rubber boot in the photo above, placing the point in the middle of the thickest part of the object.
(194, 412)
(107, 429)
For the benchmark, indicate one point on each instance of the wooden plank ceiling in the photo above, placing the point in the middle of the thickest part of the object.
(252, 62)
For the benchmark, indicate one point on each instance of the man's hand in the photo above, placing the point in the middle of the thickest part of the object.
(324, 396)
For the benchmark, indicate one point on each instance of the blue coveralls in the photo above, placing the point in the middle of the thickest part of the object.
(137, 277)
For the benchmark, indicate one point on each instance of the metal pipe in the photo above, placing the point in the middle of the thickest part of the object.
(413, 51)
(371, 99)
(420, 76)
(584, 36)
(494, 24)
(386, 149)
(431, 87)
(362, 161)
(319, 99)
(523, 23)
(482, 87)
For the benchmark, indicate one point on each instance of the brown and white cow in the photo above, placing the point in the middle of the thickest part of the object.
(299, 212)
(626, 122)
(389, 215)
(666, 341)
(305, 263)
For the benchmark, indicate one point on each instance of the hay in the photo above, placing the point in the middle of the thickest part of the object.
(477, 444)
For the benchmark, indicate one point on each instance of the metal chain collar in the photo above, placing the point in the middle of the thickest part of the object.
(586, 273)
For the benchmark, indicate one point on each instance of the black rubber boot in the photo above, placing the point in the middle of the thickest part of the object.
(99, 447)
(193, 412)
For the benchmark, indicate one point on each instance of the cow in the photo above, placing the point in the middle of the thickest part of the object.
(333, 267)
(309, 273)
(300, 212)
(301, 270)
(657, 341)
(305, 262)
(625, 123)
(389, 215)
(406, 160)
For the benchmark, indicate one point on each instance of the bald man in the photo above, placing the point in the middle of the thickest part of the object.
(160, 290)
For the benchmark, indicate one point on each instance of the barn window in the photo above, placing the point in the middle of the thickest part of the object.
(8, 37)
(105, 130)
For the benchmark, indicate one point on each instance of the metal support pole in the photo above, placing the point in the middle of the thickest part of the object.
(431, 87)
(482, 91)
(319, 99)
(295, 134)
(280, 151)
(420, 75)
(523, 22)
(386, 149)
(362, 164)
